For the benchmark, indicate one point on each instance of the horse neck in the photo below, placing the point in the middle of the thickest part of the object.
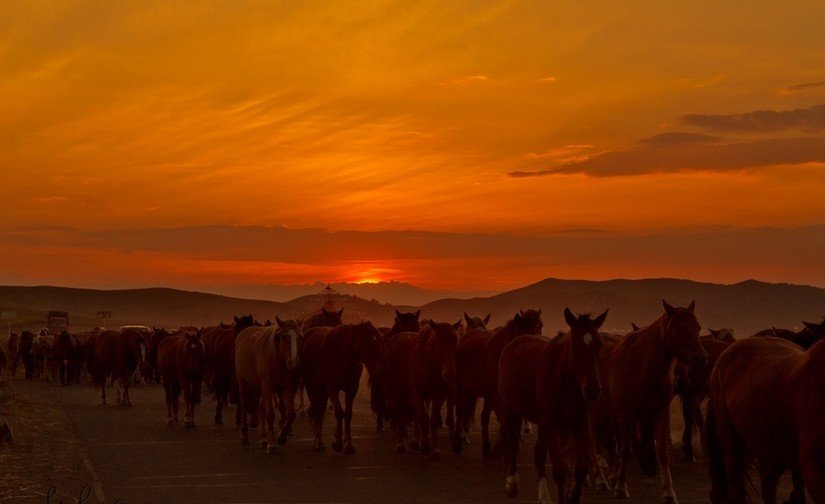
(658, 360)
(560, 357)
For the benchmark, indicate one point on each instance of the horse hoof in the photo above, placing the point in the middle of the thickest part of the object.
(262, 443)
(436, 454)
(414, 446)
(669, 499)
(511, 486)
(349, 450)
(621, 493)
(457, 446)
(689, 457)
(319, 447)
(218, 421)
(379, 428)
(282, 439)
(270, 449)
(400, 448)
(602, 487)
(337, 446)
(169, 422)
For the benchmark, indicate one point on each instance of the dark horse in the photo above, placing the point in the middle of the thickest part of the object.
(25, 352)
(476, 322)
(219, 345)
(420, 375)
(180, 363)
(325, 318)
(267, 368)
(640, 387)
(477, 358)
(332, 361)
(117, 355)
(692, 386)
(767, 405)
(403, 322)
(551, 383)
(806, 338)
(66, 352)
(10, 347)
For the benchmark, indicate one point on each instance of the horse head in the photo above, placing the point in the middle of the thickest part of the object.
(811, 334)
(723, 334)
(243, 322)
(587, 344)
(288, 338)
(406, 322)
(194, 353)
(525, 322)
(681, 334)
(366, 341)
(332, 318)
(440, 340)
(476, 322)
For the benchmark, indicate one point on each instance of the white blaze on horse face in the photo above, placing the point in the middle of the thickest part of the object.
(293, 348)
(143, 352)
(588, 338)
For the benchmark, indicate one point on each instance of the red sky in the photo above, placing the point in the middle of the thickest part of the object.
(581, 130)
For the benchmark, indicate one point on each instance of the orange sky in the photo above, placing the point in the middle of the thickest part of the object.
(500, 118)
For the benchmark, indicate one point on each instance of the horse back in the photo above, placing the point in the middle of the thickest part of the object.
(470, 362)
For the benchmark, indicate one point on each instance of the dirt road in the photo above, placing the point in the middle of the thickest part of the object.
(136, 458)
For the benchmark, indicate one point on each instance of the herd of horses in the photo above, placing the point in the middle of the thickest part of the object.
(597, 400)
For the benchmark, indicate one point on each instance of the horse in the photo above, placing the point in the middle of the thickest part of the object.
(477, 358)
(24, 351)
(10, 346)
(692, 386)
(476, 322)
(420, 376)
(150, 370)
(42, 358)
(180, 363)
(332, 361)
(640, 387)
(809, 335)
(65, 353)
(325, 318)
(767, 406)
(551, 383)
(219, 374)
(115, 354)
(267, 369)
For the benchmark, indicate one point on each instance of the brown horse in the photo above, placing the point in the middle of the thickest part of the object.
(180, 361)
(150, 370)
(219, 373)
(477, 358)
(267, 370)
(403, 322)
(332, 361)
(806, 338)
(24, 351)
(551, 383)
(325, 318)
(640, 387)
(420, 375)
(65, 354)
(692, 386)
(767, 406)
(117, 355)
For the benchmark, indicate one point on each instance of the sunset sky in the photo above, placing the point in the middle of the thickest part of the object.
(462, 145)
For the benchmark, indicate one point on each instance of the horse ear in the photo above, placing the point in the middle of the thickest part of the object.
(518, 316)
(341, 312)
(714, 332)
(600, 319)
(668, 309)
(569, 318)
(397, 313)
(279, 321)
(487, 318)
(457, 325)
(539, 312)
(467, 318)
(237, 320)
(417, 314)
(325, 312)
(692, 306)
(810, 326)
(634, 326)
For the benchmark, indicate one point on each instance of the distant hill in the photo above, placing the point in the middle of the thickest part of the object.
(746, 306)
(155, 306)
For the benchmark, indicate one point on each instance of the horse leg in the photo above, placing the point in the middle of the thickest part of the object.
(627, 434)
(540, 461)
(126, 400)
(688, 413)
(288, 414)
(422, 427)
(770, 481)
(582, 443)
(175, 401)
(557, 458)
(266, 410)
(243, 405)
(167, 389)
(434, 425)
(662, 449)
(317, 411)
(511, 439)
(398, 422)
(337, 442)
(486, 452)
(798, 493)
(349, 397)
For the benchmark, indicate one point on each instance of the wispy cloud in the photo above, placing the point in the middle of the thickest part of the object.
(804, 87)
(463, 81)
